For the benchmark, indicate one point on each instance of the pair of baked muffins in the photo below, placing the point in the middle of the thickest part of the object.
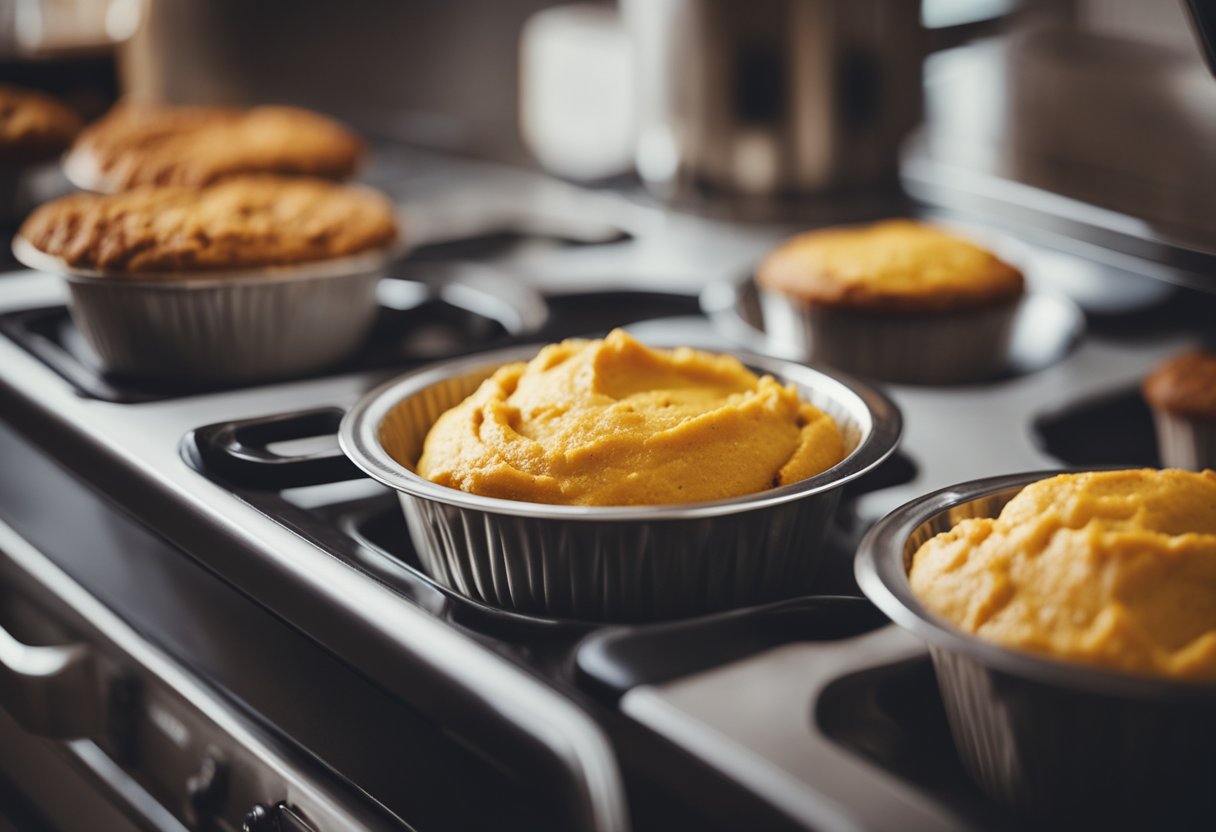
(220, 249)
(191, 189)
(900, 301)
(214, 189)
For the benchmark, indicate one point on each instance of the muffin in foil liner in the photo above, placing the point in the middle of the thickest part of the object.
(619, 563)
(1185, 441)
(925, 348)
(231, 327)
(1053, 741)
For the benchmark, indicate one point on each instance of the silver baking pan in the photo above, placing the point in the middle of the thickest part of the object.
(626, 563)
(1049, 739)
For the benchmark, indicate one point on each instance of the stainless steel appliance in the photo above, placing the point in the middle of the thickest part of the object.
(254, 603)
(209, 621)
(778, 96)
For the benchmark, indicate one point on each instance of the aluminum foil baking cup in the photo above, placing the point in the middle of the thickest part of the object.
(1185, 441)
(620, 563)
(927, 348)
(1052, 740)
(228, 327)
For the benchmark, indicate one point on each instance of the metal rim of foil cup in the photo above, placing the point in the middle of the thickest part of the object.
(881, 568)
(1185, 441)
(611, 563)
(876, 415)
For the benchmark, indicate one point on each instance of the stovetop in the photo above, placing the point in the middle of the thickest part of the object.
(809, 713)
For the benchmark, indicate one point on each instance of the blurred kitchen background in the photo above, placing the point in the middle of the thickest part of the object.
(760, 110)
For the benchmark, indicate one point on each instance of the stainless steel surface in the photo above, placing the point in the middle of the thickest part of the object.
(754, 719)
(1082, 134)
(604, 562)
(1047, 737)
(131, 453)
(777, 96)
(49, 690)
(134, 452)
(44, 774)
(178, 721)
(276, 323)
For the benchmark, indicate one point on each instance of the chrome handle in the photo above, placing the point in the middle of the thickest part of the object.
(49, 691)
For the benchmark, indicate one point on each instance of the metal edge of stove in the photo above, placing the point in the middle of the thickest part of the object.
(753, 719)
(223, 730)
(470, 689)
(1057, 221)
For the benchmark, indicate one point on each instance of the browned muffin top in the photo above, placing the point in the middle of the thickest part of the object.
(145, 144)
(33, 126)
(896, 266)
(240, 223)
(1186, 385)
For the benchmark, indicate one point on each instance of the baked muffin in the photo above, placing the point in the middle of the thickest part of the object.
(147, 144)
(238, 224)
(251, 278)
(897, 300)
(33, 126)
(1115, 569)
(1182, 395)
(614, 422)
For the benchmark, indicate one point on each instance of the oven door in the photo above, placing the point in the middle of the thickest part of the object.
(100, 730)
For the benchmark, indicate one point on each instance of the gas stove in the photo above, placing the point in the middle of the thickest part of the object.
(220, 530)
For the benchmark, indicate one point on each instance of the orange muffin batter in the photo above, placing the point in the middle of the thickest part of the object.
(1114, 568)
(614, 422)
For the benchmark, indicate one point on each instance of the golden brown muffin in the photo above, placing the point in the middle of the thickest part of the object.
(614, 422)
(1115, 569)
(1185, 385)
(145, 144)
(890, 267)
(240, 223)
(33, 126)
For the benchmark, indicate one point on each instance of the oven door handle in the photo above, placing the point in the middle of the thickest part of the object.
(50, 691)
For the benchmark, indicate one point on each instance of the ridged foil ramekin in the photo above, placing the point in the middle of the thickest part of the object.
(921, 348)
(1052, 740)
(1185, 441)
(622, 563)
(230, 327)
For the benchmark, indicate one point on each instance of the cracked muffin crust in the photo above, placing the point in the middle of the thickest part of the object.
(147, 144)
(242, 223)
